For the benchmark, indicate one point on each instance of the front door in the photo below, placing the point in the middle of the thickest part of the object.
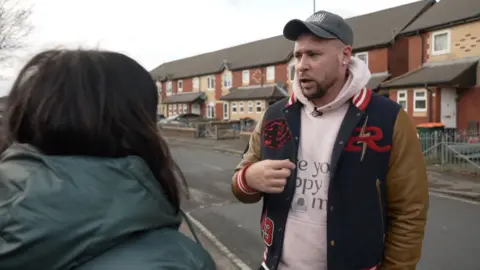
(448, 107)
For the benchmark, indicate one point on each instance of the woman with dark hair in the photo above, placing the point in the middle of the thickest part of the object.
(86, 180)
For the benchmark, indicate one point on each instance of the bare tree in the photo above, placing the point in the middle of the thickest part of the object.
(14, 28)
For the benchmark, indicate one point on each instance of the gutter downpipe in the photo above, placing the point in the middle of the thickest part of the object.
(430, 102)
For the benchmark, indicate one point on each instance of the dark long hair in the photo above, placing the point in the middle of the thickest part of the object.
(91, 103)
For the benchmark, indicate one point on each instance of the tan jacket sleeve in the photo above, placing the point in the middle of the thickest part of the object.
(240, 188)
(407, 198)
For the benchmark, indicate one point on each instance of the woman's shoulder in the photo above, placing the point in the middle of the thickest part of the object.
(157, 249)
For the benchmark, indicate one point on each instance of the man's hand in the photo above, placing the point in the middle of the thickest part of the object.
(269, 176)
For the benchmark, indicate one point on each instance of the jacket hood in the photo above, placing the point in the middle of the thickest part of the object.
(59, 211)
(359, 75)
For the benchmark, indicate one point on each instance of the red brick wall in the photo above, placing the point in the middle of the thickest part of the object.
(281, 73)
(406, 54)
(219, 111)
(218, 85)
(467, 107)
(259, 75)
(187, 85)
(417, 44)
(378, 60)
(398, 57)
(236, 78)
(164, 91)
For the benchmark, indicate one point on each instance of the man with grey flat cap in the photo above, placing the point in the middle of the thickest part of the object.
(339, 169)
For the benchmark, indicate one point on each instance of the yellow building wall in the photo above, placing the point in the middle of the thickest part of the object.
(464, 42)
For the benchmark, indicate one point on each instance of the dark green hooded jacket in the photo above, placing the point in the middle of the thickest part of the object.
(84, 213)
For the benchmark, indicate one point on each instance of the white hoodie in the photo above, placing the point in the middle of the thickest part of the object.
(305, 242)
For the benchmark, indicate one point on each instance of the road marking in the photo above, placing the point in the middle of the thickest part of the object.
(212, 166)
(239, 263)
(445, 196)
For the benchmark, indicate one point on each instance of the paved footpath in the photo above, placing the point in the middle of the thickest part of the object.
(230, 230)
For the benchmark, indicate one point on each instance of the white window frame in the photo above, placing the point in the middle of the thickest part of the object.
(226, 111)
(180, 86)
(234, 107)
(185, 108)
(405, 99)
(291, 69)
(258, 105)
(227, 80)
(415, 99)
(169, 87)
(250, 107)
(241, 107)
(196, 83)
(210, 111)
(363, 54)
(246, 77)
(449, 42)
(211, 82)
(270, 73)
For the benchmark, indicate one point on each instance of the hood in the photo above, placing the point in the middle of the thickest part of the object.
(359, 75)
(62, 210)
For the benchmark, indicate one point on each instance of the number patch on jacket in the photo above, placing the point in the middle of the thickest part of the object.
(267, 231)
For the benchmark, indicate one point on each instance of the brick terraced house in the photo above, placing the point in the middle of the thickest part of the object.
(442, 83)
(422, 54)
(260, 64)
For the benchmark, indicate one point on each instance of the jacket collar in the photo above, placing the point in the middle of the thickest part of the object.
(359, 100)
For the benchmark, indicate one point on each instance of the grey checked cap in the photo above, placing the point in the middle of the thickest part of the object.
(322, 24)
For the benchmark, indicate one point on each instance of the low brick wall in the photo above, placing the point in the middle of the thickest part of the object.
(179, 132)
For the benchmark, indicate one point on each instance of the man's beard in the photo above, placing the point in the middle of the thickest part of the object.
(321, 90)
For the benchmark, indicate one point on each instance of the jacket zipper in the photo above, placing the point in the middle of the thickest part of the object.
(380, 202)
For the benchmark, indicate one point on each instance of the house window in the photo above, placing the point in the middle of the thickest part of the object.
(227, 80)
(196, 83)
(402, 98)
(170, 108)
(169, 87)
(420, 100)
(440, 42)
(250, 106)
(291, 72)
(271, 73)
(210, 111)
(363, 56)
(211, 82)
(234, 107)
(246, 77)
(225, 111)
(180, 86)
(240, 107)
(175, 112)
(185, 108)
(258, 106)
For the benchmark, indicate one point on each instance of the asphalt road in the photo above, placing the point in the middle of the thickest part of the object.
(452, 239)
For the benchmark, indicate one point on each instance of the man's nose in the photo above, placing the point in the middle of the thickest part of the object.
(303, 64)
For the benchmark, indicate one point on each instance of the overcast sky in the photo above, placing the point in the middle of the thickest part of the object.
(157, 31)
